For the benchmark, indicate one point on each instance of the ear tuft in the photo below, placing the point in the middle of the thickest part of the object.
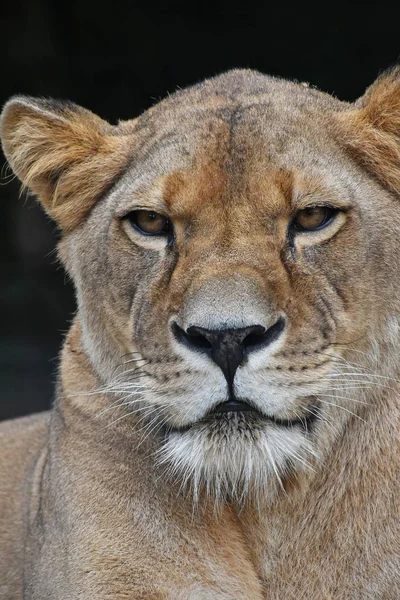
(371, 129)
(63, 153)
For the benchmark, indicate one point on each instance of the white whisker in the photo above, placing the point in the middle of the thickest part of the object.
(343, 408)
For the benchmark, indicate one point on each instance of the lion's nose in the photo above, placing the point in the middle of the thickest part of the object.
(228, 347)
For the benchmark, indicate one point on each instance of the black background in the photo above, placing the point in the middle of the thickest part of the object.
(117, 59)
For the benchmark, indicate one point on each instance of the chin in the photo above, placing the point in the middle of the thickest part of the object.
(237, 457)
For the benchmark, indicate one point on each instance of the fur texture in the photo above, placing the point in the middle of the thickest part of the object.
(133, 486)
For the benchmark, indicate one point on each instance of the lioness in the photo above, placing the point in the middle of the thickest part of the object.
(226, 424)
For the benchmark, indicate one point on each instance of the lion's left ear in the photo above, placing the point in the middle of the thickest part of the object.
(63, 153)
(371, 129)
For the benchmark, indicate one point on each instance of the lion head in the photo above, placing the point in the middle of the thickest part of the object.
(234, 253)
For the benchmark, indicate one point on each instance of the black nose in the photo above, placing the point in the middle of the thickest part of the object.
(228, 347)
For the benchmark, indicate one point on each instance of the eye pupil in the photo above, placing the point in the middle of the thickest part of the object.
(149, 222)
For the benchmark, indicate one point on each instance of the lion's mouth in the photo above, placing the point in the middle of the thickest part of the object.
(235, 406)
(246, 414)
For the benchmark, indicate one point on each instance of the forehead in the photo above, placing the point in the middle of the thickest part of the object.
(207, 150)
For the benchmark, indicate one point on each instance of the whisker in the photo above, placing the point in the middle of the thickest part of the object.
(345, 398)
(129, 414)
(323, 418)
(351, 382)
(121, 404)
(105, 390)
(114, 404)
(274, 467)
(152, 427)
(299, 458)
(137, 375)
(345, 409)
(374, 375)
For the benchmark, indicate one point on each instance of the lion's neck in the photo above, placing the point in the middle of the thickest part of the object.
(80, 386)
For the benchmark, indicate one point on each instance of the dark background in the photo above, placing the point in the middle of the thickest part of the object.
(119, 58)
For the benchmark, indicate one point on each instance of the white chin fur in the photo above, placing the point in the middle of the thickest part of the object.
(235, 460)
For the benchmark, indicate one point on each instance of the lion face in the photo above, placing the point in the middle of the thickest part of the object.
(233, 278)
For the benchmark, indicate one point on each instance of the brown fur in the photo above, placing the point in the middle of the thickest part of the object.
(98, 498)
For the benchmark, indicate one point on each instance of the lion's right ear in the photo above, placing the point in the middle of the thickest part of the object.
(63, 153)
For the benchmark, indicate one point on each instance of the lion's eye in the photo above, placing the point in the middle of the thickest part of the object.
(313, 218)
(149, 222)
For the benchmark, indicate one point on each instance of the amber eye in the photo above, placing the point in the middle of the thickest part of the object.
(313, 218)
(149, 222)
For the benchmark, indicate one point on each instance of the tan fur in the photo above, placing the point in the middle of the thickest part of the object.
(62, 156)
(372, 130)
(128, 489)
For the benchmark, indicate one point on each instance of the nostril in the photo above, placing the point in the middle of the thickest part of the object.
(255, 337)
(260, 337)
(191, 338)
(197, 339)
